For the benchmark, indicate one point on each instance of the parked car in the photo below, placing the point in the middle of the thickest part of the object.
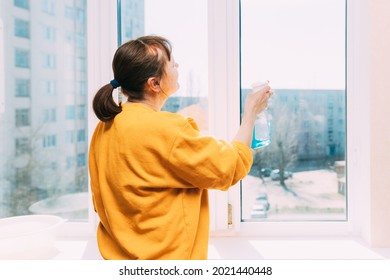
(259, 211)
(275, 174)
(266, 172)
(262, 199)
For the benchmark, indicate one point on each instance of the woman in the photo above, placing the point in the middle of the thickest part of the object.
(150, 170)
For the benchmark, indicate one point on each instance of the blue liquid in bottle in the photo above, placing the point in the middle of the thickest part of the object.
(261, 132)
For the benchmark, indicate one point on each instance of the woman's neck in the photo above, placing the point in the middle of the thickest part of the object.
(155, 103)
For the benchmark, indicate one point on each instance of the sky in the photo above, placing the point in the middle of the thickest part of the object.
(184, 23)
(292, 43)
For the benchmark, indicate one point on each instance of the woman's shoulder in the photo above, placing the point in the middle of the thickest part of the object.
(174, 118)
(178, 119)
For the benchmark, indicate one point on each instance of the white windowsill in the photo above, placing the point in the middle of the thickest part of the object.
(239, 248)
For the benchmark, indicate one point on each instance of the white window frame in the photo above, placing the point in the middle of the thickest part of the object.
(224, 116)
(102, 38)
(224, 110)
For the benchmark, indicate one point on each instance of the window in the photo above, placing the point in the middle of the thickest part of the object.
(69, 162)
(69, 14)
(80, 64)
(22, 117)
(22, 88)
(49, 115)
(133, 20)
(48, 61)
(222, 101)
(286, 184)
(22, 58)
(81, 88)
(22, 28)
(81, 112)
(81, 135)
(49, 87)
(75, 14)
(24, 4)
(22, 146)
(34, 100)
(49, 33)
(81, 160)
(49, 141)
(79, 40)
(48, 6)
(70, 112)
(70, 136)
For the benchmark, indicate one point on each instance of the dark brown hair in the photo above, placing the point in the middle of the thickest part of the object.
(133, 64)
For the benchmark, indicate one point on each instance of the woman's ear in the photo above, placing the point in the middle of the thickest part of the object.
(154, 84)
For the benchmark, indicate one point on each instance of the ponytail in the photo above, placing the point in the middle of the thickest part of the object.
(104, 105)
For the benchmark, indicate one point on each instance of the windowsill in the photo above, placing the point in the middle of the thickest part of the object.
(239, 248)
(297, 248)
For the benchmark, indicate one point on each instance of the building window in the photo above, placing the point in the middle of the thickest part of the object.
(49, 33)
(70, 113)
(22, 146)
(81, 135)
(22, 117)
(21, 28)
(22, 88)
(49, 141)
(22, 58)
(49, 61)
(81, 64)
(81, 112)
(48, 6)
(81, 160)
(70, 136)
(81, 88)
(49, 87)
(69, 162)
(69, 13)
(50, 115)
(79, 40)
(24, 4)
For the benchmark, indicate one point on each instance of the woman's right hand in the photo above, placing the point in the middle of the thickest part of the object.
(257, 102)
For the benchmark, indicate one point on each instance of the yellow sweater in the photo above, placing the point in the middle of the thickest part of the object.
(150, 172)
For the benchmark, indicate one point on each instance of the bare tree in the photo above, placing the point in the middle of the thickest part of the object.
(282, 152)
(36, 173)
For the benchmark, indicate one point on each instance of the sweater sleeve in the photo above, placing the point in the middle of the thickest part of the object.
(206, 162)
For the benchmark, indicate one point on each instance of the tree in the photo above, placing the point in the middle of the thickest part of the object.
(282, 152)
(35, 173)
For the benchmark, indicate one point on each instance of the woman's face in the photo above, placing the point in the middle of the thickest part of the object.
(169, 82)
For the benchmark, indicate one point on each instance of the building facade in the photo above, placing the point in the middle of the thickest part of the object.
(44, 95)
(316, 119)
(43, 98)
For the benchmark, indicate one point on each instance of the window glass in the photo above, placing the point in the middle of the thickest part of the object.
(22, 58)
(42, 167)
(21, 146)
(48, 33)
(190, 44)
(24, 4)
(22, 117)
(22, 88)
(48, 7)
(299, 46)
(22, 28)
